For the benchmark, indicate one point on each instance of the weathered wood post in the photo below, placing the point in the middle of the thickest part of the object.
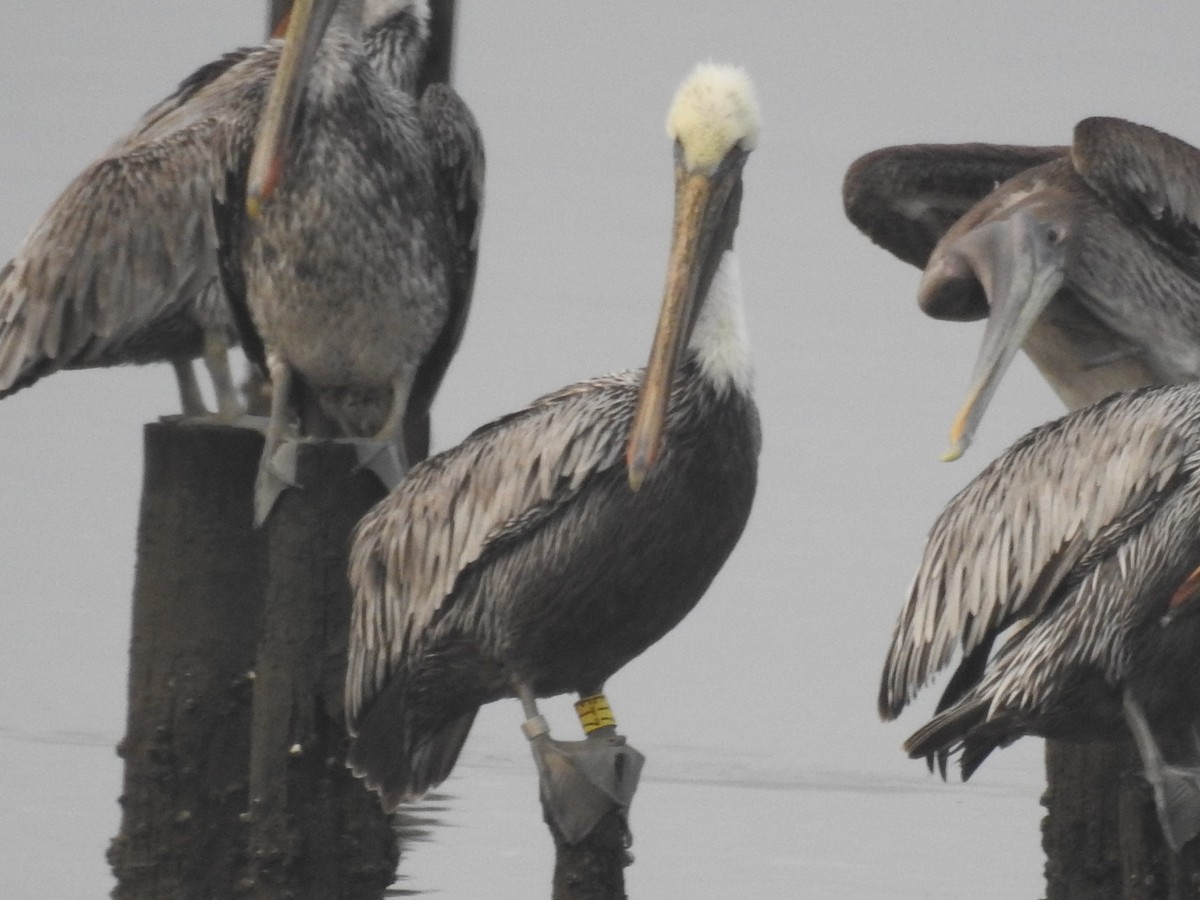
(1101, 833)
(195, 618)
(314, 832)
(593, 869)
(439, 55)
(1081, 829)
(275, 12)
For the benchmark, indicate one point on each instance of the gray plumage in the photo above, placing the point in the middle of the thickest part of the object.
(353, 285)
(1073, 550)
(524, 551)
(123, 267)
(557, 543)
(1086, 258)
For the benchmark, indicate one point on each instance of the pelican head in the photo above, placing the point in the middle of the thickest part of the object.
(714, 122)
(1017, 260)
(714, 111)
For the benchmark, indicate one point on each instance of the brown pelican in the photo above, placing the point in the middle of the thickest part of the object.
(350, 262)
(557, 543)
(1088, 260)
(123, 266)
(1077, 550)
(122, 269)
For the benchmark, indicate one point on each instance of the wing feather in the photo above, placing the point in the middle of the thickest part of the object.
(1037, 518)
(459, 168)
(500, 482)
(1145, 173)
(131, 241)
(905, 198)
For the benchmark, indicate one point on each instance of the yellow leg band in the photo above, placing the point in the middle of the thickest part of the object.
(594, 712)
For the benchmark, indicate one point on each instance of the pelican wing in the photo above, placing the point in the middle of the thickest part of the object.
(1038, 518)
(410, 551)
(458, 167)
(190, 95)
(905, 198)
(1143, 173)
(131, 241)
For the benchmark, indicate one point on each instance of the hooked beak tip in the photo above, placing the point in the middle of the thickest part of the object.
(955, 452)
(637, 469)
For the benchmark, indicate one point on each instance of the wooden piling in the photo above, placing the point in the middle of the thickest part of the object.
(235, 778)
(1101, 834)
(593, 869)
(275, 12)
(1080, 832)
(196, 605)
(314, 831)
(439, 53)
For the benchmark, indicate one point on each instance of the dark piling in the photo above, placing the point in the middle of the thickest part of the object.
(196, 604)
(275, 12)
(1101, 834)
(439, 55)
(593, 869)
(313, 829)
(235, 778)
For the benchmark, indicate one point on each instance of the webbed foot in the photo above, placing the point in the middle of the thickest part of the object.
(1176, 788)
(276, 473)
(379, 457)
(583, 781)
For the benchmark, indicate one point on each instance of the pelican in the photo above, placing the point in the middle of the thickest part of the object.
(1076, 551)
(1087, 260)
(557, 543)
(122, 268)
(347, 245)
(125, 266)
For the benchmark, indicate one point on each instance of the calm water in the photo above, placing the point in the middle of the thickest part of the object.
(768, 769)
(706, 823)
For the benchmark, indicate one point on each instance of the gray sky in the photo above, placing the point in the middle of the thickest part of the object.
(857, 389)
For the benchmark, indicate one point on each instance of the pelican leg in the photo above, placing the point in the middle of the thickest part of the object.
(1176, 788)
(580, 781)
(277, 467)
(256, 391)
(216, 360)
(384, 454)
(190, 398)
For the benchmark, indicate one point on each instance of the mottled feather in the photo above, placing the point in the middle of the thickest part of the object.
(1144, 173)
(501, 481)
(1044, 513)
(129, 247)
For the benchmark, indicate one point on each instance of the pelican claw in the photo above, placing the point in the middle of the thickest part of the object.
(380, 457)
(275, 475)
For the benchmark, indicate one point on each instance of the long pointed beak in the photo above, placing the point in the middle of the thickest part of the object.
(1020, 262)
(305, 28)
(692, 194)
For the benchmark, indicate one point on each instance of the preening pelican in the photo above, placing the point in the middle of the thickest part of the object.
(349, 266)
(1077, 550)
(557, 543)
(1087, 260)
